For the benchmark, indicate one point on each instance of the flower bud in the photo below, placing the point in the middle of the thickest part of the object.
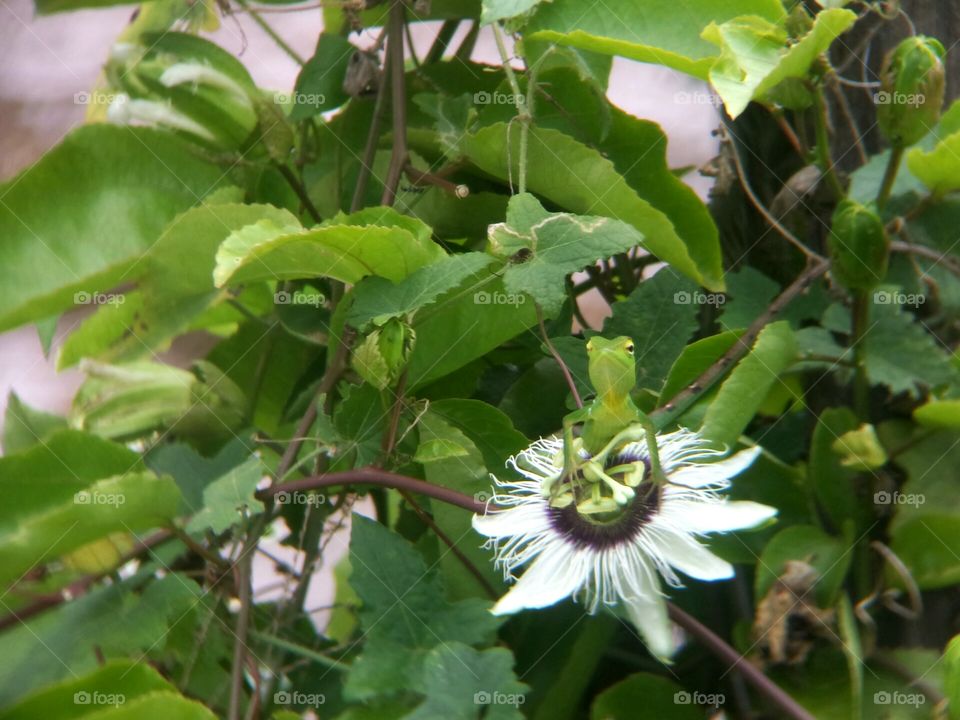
(859, 246)
(911, 90)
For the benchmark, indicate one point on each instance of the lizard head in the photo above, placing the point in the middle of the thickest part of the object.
(611, 366)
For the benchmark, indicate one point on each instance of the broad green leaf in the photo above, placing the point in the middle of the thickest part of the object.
(638, 150)
(24, 426)
(928, 460)
(755, 54)
(927, 546)
(176, 287)
(829, 556)
(111, 621)
(657, 695)
(404, 613)
(377, 299)
(129, 502)
(834, 485)
(461, 683)
(319, 85)
(742, 393)
(579, 179)
(494, 10)
(546, 251)
(452, 117)
(934, 161)
(230, 498)
(121, 680)
(657, 33)
(93, 237)
(377, 241)
(155, 706)
(465, 323)
(660, 317)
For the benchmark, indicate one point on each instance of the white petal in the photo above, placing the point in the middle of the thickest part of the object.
(725, 516)
(702, 474)
(691, 558)
(554, 575)
(516, 521)
(649, 614)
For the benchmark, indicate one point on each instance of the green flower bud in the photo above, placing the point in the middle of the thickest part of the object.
(384, 353)
(860, 449)
(911, 90)
(859, 246)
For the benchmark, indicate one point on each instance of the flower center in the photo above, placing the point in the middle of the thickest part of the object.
(600, 531)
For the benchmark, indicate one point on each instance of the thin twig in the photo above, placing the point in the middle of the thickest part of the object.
(243, 626)
(686, 397)
(761, 208)
(265, 26)
(948, 261)
(789, 707)
(294, 182)
(556, 356)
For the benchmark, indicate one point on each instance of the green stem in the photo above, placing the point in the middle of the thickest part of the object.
(861, 384)
(520, 101)
(889, 176)
(823, 144)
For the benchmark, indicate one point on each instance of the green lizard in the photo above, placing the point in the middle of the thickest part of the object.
(609, 421)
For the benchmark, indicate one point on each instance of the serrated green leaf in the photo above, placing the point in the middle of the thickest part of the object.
(230, 498)
(377, 299)
(93, 237)
(494, 10)
(568, 173)
(742, 393)
(556, 245)
(377, 241)
(404, 613)
(461, 683)
(649, 32)
(900, 353)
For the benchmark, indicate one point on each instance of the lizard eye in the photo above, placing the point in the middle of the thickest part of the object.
(629, 348)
